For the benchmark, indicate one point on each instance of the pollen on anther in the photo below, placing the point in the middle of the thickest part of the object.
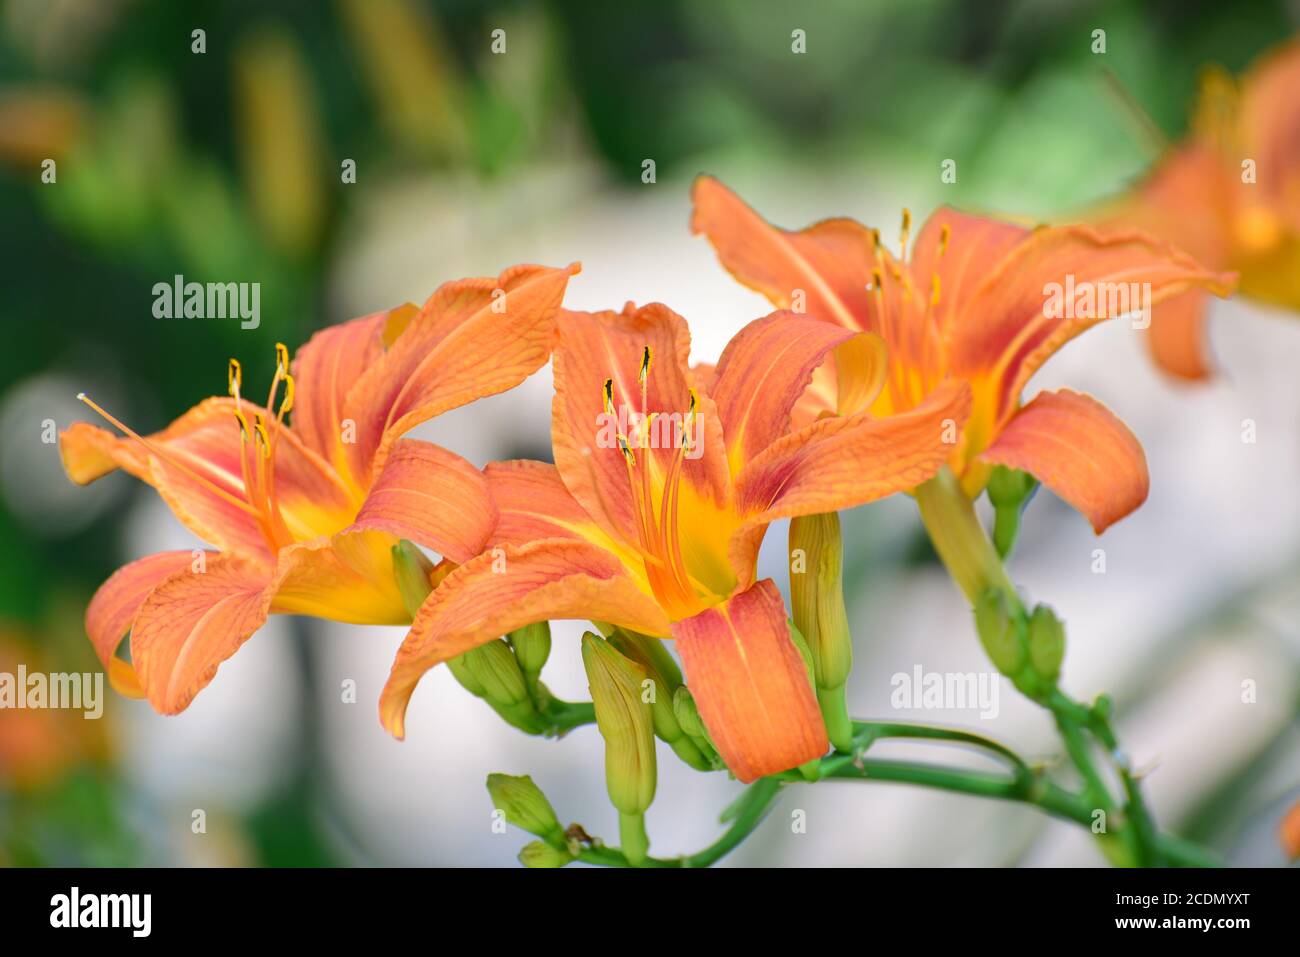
(234, 376)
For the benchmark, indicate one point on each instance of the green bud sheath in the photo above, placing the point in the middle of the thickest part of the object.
(537, 854)
(817, 595)
(498, 672)
(662, 670)
(1046, 643)
(525, 806)
(532, 646)
(1009, 492)
(1000, 632)
(414, 573)
(626, 723)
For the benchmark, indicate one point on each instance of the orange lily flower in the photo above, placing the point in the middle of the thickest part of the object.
(304, 515)
(1230, 195)
(969, 302)
(655, 525)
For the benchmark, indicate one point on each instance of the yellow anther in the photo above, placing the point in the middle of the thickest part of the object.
(904, 232)
(609, 396)
(264, 440)
(875, 244)
(287, 405)
(945, 234)
(243, 425)
(234, 376)
(626, 449)
(645, 365)
(281, 359)
(877, 280)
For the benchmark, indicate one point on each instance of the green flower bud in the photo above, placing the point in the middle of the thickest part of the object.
(525, 806)
(1046, 643)
(665, 678)
(688, 718)
(539, 854)
(491, 672)
(625, 722)
(1000, 632)
(532, 646)
(414, 573)
(817, 595)
(1009, 492)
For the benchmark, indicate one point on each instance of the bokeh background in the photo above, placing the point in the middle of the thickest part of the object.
(226, 166)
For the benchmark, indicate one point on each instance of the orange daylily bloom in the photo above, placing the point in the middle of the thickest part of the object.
(1229, 194)
(970, 301)
(655, 525)
(304, 514)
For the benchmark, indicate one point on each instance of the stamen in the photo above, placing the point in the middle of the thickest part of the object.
(281, 359)
(609, 396)
(234, 376)
(166, 456)
(645, 366)
(903, 234)
(945, 234)
(263, 440)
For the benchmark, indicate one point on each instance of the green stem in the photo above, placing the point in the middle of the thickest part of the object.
(561, 717)
(975, 565)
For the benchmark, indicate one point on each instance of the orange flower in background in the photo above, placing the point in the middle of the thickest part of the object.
(1230, 195)
(304, 514)
(662, 488)
(975, 300)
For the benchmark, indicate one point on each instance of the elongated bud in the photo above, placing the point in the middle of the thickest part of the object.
(688, 719)
(525, 806)
(664, 679)
(626, 723)
(532, 646)
(1000, 632)
(414, 573)
(817, 595)
(540, 854)
(1009, 492)
(490, 672)
(497, 672)
(1046, 643)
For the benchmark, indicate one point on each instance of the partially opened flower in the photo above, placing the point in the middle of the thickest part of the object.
(304, 514)
(983, 301)
(662, 488)
(1229, 194)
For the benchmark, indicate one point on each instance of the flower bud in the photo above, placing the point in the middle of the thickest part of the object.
(525, 806)
(532, 646)
(414, 573)
(817, 595)
(1046, 643)
(626, 723)
(1009, 492)
(491, 672)
(1000, 632)
(540, 854)
(688, 718)
(665, 678)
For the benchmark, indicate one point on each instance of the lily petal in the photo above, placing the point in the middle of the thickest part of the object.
(830, 262)
(433, 497)
(473, 338)
(193, 621)
(973, 248)
(842, 462)
(112, 611)
(595, 347)
(1004, 332)
(768, 366)
(1270, 122)
(325, 369)
(506, 589)
(1177, 337)
(751, 684)
(343, 577)
(1080, 450)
